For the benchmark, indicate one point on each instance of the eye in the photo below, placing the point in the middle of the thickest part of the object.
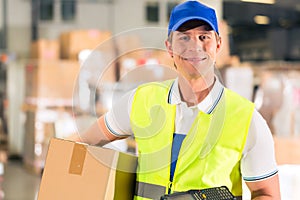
(204, 37)
(184, 38)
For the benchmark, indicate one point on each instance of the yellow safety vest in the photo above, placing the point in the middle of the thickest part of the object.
(210, 153)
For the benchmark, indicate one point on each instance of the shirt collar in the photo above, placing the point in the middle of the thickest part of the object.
(207, 105)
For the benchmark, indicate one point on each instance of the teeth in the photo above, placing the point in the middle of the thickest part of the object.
(193, 59)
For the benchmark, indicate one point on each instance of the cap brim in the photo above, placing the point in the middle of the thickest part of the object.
(182, 21)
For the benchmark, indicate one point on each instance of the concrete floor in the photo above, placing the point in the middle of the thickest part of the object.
(21, 184)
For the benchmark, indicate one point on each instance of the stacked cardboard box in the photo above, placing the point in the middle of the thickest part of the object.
(72, 42)
(146, 58)
(45, 49)
(50, 83)
(51, 79)
(49, 91)
(38, 134)
(277, 99)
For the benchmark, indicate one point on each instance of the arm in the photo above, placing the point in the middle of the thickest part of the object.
(265, 189)
(115, 124)
(259, 167)
(97, 133)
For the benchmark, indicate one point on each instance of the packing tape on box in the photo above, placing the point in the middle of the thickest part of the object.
(78, 158)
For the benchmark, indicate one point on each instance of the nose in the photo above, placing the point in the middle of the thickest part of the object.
(195, 44)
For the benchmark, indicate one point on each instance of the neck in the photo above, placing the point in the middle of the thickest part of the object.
(193, 91)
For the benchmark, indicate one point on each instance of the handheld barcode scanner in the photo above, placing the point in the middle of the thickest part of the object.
(216, 193)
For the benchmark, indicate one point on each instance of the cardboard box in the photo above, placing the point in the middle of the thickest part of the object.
(79, 171)
(99, 66)
(51, 79)
(127, 43)
(72, 42)
(38, 135)
(287, 150)
(45, 49)
(41, 125)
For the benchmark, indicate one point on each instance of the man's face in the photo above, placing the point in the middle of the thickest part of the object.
(194, 51)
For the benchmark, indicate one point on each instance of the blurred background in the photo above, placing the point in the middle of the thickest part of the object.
(64, 62)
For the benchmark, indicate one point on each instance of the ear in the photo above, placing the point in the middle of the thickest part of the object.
(219, 43)
(169, 47)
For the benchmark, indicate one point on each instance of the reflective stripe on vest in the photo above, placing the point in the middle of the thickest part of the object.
(149, 191)
(211, 152)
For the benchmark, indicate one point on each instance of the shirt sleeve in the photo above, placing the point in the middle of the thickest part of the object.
(258, 161)
(117, 120)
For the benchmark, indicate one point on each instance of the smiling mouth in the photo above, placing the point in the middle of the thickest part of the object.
(196, 59)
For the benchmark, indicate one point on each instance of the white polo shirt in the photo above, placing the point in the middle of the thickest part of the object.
(258, 161)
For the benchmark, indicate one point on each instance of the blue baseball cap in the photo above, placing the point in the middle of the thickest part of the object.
(191, 10)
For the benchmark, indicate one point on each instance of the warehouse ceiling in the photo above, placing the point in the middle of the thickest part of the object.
(251, 22)
(281, 3)
(284, 13)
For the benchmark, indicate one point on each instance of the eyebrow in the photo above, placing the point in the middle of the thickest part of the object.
(199, 31)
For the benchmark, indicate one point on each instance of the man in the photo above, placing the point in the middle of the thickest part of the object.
(192, 132)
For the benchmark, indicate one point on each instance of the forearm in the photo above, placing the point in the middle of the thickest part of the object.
(97, 133)
(263, 197)
(267, 189)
